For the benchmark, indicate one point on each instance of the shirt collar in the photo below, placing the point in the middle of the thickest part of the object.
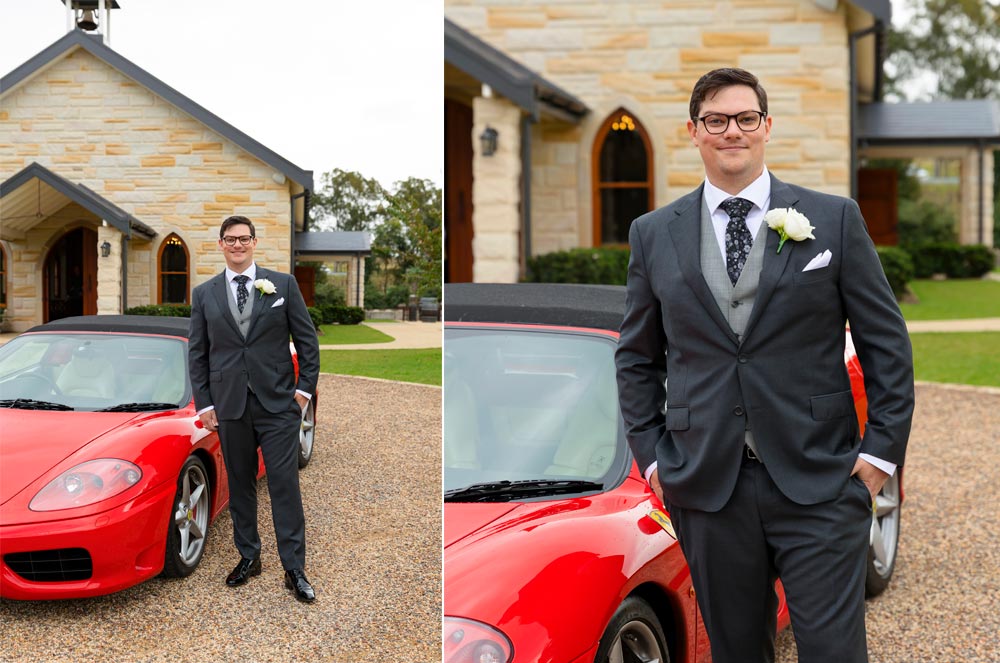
(758, 192)
(250, 271)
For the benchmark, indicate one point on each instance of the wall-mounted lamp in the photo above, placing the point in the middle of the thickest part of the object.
(105, 249)
(488, 141)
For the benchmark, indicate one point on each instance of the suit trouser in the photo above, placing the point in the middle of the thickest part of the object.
(819, 551)
(277, 435)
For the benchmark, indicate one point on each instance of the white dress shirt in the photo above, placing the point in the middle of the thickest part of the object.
(757, 192)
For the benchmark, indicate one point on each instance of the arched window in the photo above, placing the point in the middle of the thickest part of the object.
(622, 177)
(173, 271)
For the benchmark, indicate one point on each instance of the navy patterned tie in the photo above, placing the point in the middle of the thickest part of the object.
(739, 241)
(241, 291)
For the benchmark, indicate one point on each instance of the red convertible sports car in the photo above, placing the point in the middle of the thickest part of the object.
(106, 476)
(556, 550)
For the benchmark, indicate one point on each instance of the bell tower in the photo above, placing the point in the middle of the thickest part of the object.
(90, 16)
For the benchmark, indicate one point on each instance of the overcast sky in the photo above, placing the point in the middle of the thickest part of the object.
(324, 83)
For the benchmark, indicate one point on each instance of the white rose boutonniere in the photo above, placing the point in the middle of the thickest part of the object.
(265, 287)
(790, 224)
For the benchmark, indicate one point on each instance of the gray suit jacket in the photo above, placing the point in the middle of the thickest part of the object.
(785, 377)
(222, 363)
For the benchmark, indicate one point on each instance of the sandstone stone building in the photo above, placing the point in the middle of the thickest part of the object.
(564, 120)
(113, 186)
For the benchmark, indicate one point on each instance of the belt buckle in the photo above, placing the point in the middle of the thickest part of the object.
(748, 452)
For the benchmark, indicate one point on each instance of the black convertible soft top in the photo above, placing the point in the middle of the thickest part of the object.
(571, 305)
(123, 324)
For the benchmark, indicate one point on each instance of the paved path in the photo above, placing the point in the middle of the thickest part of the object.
(972, 325)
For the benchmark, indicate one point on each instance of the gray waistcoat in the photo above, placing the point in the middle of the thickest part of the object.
(735, 302)
(242, 319)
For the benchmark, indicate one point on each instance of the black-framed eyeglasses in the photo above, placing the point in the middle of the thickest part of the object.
(231, 240)
(718, 123)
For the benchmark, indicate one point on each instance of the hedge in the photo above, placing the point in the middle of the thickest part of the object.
(954, 260)
(316, 315)
(604, 265)
(168, 310)
(342, 315)
(898, 267)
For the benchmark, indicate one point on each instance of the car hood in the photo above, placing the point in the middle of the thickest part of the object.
(35, 441)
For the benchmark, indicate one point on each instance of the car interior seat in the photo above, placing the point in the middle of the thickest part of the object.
(461, 428)
(89, 372)
(590, 439)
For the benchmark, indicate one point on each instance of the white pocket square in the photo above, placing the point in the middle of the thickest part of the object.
(821, 260)
(278, 303)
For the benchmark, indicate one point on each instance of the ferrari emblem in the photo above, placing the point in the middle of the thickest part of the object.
(663, 520)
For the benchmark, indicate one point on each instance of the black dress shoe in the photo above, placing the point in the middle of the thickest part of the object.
(246, 569)
(295, 580)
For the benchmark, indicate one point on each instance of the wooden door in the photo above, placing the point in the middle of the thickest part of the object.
(89, 263)
(877, 200)
(458, 228)
(306, 278)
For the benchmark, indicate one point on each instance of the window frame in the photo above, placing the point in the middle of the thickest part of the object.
(160, 273)
(598, 186)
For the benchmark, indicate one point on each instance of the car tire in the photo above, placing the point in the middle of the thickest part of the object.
(633, 635)
(884, 538)
(187, 531)
(307, 433)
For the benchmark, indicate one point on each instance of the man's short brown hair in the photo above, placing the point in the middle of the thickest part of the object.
(234, 221)
(717, 79)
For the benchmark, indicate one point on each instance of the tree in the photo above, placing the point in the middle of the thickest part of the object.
(955, 41)
(347, 200)
(407, 244)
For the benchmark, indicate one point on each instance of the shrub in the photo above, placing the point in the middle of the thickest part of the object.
(898, 267)
(924, 222)
(168, 310)
(342, 315)
(316, 315)
(604, 265)
(391, 298)
(954, 260)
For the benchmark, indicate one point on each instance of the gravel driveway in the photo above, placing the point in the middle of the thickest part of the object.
(943, 604)
(372, 498)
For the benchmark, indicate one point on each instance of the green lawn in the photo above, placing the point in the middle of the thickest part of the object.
(953, 299)
(422, 366)
(960, 357)
(350, 334)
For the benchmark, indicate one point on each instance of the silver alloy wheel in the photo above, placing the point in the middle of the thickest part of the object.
(635, 643)
(191, 515)
(307, 431)
(885, 526)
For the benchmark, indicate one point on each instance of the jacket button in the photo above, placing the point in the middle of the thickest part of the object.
(743, 359)
(738, 410)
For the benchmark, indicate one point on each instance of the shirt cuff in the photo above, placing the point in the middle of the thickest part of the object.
(204, 410)
(304, 393)
(884, 465)
(649, 471)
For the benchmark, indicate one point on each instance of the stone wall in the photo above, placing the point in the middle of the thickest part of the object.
(646, 56)
(89, 123)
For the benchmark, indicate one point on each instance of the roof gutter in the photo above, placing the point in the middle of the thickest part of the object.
(875, 29)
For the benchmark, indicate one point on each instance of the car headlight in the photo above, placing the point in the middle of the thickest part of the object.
(86, 484)
(468, 641)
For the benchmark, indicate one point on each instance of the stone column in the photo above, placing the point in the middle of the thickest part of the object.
(968, 217)
(109, 272)
(496, 195)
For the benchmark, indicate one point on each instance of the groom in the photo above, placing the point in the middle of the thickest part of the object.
(245, 388)
(753, 443)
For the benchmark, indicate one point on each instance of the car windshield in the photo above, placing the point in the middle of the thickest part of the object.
(530, 405)
(91, 371)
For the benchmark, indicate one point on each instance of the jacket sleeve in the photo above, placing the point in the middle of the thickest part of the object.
(198, 348)
(881, 340)
(303, 333)
(641, 360)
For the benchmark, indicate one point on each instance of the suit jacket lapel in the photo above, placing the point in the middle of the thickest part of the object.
(219, 286)
(259, 301)
(685, 231)
(774, 262)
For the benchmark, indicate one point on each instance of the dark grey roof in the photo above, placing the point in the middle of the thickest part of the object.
(78, 193)
(880, 9)
(125, 324)
(508, 77)
(95, 47)
(922, 123)
(564, 305)
(333, 242)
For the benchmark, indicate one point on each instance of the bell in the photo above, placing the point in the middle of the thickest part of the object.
(87, 22)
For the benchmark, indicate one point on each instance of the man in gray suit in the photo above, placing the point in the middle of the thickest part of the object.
(245, 388)
(753, 443)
